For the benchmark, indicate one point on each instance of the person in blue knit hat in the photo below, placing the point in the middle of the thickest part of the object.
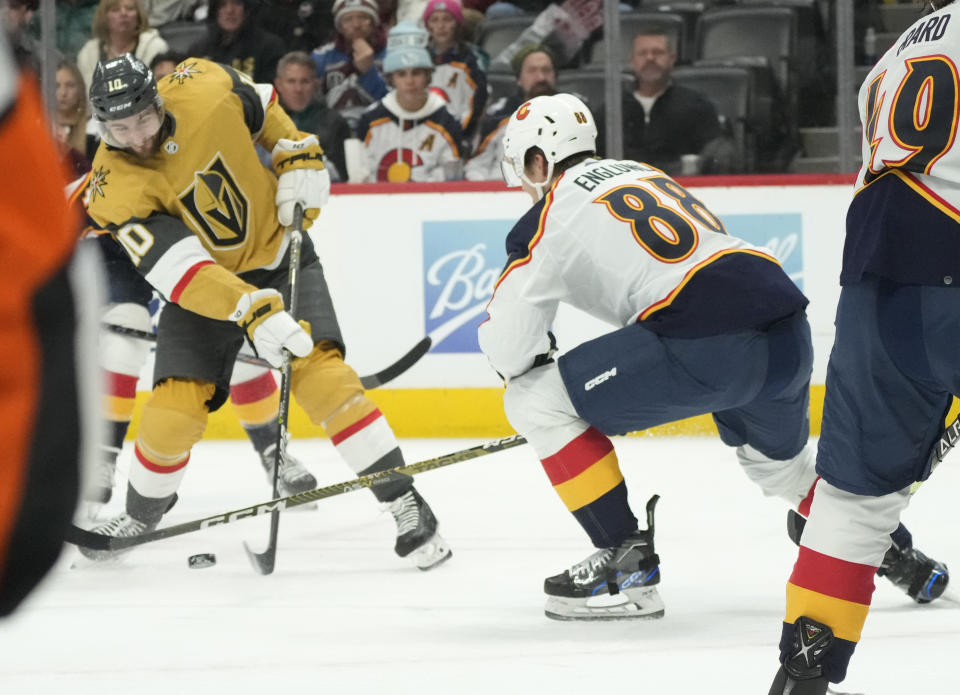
(409, 135)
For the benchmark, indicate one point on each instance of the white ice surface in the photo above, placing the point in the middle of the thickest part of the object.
(342, 614)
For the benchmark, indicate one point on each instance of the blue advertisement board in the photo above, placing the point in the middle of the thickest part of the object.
(462, 260)
(782, 233)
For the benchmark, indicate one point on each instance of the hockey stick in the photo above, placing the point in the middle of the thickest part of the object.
(264, 562)
(370, 381)
(95, 541)
(948, 440)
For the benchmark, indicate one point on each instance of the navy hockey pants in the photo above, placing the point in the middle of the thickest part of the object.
(754, 382)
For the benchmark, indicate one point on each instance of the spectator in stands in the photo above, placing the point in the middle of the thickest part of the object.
(536, 76)
(349, 68)
(165, 63)
(296, 85)
(70, 120)
(119, 26)
(302, 25)
(73, 25)
(457, 76)
(513, 8)
(663, 121)
(235, 38)
(162, 12)
(409, 135)
(15, 15)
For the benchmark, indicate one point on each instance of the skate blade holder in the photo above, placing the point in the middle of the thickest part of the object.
(639, 603)
(432, 553)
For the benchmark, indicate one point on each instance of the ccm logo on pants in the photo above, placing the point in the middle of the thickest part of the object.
(600, 378)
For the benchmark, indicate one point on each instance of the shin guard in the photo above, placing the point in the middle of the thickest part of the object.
(173, 420)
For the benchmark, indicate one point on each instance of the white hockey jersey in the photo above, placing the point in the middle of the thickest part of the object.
(411, 146)
(462, 84)
(624, 242)
(903, 222)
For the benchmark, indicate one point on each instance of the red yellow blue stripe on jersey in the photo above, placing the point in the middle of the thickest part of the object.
(586, 475)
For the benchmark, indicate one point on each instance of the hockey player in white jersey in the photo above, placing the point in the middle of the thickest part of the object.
(893, 370)
(709, 324)
(409, 135)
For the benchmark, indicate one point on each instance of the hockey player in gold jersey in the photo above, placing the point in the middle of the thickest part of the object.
(178, 183)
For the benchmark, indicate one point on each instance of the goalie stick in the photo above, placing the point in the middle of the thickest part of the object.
(95, 541)
(370, 381)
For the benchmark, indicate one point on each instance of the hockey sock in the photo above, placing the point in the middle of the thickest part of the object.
(257, 402)
(364, 439)
(119, 399)
(152, 486)
(586, 475)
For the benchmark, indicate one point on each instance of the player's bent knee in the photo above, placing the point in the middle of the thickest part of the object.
(244, 372)
(790, 479)
(323, 383)
(538, 407)
(175, 416)
(120, 353)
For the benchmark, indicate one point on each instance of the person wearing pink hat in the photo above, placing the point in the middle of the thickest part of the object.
(457, 76)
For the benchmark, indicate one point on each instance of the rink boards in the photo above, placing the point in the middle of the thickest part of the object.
(408, 260)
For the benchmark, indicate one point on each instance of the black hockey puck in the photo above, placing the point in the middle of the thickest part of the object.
(198, 562)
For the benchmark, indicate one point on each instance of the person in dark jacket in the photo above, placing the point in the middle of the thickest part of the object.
(663, 121)
(235, 38)
(296, 85)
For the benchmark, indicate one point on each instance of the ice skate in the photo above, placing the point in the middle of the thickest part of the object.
(922, 578)
(294, 477)
(99, 488)
(122, 525)
(801, 672)
(612, 584)
(417, 536)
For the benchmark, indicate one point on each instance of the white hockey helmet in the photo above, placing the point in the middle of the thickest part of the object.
(560, 125)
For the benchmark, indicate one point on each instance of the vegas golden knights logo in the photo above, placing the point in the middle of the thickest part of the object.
(217, 205)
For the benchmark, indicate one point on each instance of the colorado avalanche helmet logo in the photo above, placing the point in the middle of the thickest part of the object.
(523, 111)
(396, 165)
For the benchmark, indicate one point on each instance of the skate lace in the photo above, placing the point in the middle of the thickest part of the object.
(291, 470)
(591, 567)
(406, 512)
(122, 525)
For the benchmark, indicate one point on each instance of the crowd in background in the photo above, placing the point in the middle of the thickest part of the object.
(406, 90)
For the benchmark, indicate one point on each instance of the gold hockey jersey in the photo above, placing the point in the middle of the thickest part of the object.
(203, 204)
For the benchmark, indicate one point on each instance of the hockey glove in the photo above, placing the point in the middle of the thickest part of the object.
(301, 179)
(271, 329)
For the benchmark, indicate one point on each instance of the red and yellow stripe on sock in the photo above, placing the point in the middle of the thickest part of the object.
(586, 475)
(120, 396)
(832, 591)
(257, 400)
